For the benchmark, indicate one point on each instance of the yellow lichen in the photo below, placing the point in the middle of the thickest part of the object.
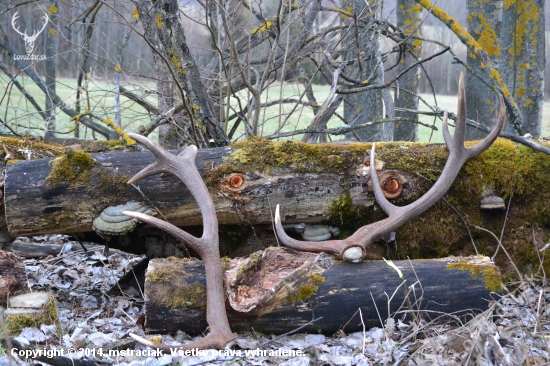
(490, 273)
(128, 139)
(53, 9)
(158, 20)
(53, 32)
(135, 13)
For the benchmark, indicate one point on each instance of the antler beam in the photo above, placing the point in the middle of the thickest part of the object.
(207, 246)
(353, 248)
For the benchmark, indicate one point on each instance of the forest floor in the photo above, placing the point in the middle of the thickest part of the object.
(96, 319)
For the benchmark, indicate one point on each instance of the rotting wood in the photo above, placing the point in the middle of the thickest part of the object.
(31, 310)
(278, 290)
(13, 278)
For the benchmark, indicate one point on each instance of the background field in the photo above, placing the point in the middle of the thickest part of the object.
(21, 115)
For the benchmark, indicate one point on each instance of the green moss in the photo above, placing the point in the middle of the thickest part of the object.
(115, 143)
(308, 289)
(508, 169)
(73, 168)
(172, 288)
(16, 323)
(225, 263)
(490, 273)
(163, 276)
(191, 296)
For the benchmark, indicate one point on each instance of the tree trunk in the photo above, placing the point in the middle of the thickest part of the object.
(484, 24)
(409, 19)
(279, 290)
(172, 36)
(168, 134)
(13, 278)
(364, 47)
(523, 60)
(52, 40)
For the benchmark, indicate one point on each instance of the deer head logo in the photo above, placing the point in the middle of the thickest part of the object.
(29, 40)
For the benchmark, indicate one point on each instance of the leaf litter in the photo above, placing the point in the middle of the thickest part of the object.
(515, 330)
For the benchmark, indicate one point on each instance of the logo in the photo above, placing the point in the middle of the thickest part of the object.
(29, 40)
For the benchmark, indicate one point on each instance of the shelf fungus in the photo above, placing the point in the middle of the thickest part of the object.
(111, 222)
(314, 232)
(492, 203)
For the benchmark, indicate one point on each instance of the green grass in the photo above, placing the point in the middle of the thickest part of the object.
(20, 115)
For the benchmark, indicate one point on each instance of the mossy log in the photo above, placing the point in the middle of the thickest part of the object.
(277, 290)
(313, 183)
(13, 278)
(31, 310)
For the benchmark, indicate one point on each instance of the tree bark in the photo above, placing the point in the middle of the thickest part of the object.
(279, 290)
(364, 47)
(523, 59)
(35, 207)
(52, 40)
(172, 36)
(409, 20)
(484, 24)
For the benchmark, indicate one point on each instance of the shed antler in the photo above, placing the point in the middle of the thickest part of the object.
(183, 167)
(353, 248)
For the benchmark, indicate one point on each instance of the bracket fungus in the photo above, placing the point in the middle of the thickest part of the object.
(112, 222)
(314, 232)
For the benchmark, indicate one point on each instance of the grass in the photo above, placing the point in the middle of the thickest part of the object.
(21, 115)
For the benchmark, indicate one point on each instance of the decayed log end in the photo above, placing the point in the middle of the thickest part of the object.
(31, 310)
(278, 290)
(13, 278)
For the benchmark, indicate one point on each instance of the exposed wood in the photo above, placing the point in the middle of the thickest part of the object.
(13, 278)
(278, 290)
(31, 310)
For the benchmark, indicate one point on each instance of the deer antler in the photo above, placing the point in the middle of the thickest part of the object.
(15, 26)
(183, 167)
(353, 248)
(36, 33)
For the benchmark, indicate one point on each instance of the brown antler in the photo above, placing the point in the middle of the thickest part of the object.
(183, 167)
(353, 248)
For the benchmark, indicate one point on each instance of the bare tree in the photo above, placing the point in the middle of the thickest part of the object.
(51, 68)
(409, 19)
(484, 24)
(523, 60)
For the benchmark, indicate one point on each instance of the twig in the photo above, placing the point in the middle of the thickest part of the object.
(502, 231)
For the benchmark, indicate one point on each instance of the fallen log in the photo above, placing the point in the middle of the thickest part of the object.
(13, 278)
(278, 290)
(313, 183)
(44, 197)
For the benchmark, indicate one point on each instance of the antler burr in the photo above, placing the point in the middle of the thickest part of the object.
(207, 246)
(353, 248)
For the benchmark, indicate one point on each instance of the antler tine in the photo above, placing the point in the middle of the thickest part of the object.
(36, 32)
(446, 134)
(378, 194)
(490, 138)
(160, 154)
(173, 230)
(460, 124)
(14, 25)
(207, 246)
(329, 246)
